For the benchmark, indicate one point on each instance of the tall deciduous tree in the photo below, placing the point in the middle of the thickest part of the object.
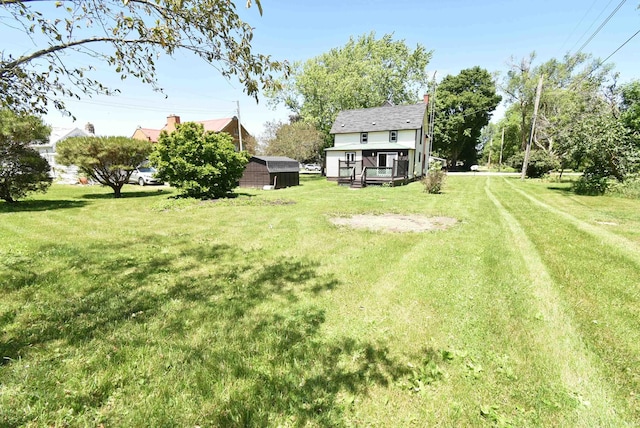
(463, 107)
(630, 106)
(574, 79)
(298, 140)
(201, 164)
(127, 35)
(22, 169)
(364, 73)
(107, 160)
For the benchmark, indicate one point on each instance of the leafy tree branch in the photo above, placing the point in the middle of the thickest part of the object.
(129, 36)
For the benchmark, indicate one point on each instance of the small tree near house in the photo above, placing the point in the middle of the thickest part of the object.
(201, 164)
(107, 160)
(22, 169)
(434, 180)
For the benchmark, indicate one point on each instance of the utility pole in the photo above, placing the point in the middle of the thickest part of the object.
(501, 146)
(432, 117)
(490, 150)
(239, 126)
(533, 129)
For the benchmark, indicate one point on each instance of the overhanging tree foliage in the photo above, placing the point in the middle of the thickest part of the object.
(22, 169)
(128, 36)
(201, 164)
(364, 73)
(106, 160)
(463, 107)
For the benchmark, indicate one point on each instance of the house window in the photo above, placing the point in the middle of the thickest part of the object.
(393, 136)
(364, 137)
(351, 157)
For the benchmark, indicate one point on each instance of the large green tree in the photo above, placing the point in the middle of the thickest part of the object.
(604, 147)
(126, 35)
(22, 169)
(630, 106)
(365, 72)
(464, 106)
(574, 80)
(107, 160)
(202, 164)
(510, 123)
(298, 140)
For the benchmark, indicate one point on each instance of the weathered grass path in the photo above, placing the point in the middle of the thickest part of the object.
(557, 337)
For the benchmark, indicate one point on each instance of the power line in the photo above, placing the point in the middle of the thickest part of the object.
(578, 24)
(589, 28)
(146, 107)
(595, 33)
(601, 63)
(619, 47)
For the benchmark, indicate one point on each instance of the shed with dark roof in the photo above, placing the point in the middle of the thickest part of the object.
(276, 171)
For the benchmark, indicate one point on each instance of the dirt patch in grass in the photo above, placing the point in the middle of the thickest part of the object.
(395, 222)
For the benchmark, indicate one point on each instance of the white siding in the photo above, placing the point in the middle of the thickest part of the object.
(342, 139)
(333, 159)
(406, 138)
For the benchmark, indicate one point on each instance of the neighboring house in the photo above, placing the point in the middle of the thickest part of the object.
(275, 171)
(48, 151)
(228, 125)
(386, 144)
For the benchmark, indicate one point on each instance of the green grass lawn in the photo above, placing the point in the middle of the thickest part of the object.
(258, 311)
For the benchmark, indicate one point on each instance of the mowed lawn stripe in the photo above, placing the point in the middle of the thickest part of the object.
(599, 285)
(558, 336)
(627, 247)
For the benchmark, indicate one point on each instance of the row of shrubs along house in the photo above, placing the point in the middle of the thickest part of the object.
(387, 144)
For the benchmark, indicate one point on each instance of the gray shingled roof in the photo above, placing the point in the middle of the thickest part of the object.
(380, 119)
(279, 163)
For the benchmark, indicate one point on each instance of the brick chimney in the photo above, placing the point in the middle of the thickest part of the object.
(172, 121)
(426, 98)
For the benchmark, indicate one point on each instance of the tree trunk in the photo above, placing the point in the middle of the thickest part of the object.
(116, 191)
(523, 132)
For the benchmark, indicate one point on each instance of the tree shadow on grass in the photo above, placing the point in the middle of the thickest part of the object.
(307, 380)
(561, 189)
(127, 195)
(39, 205)
(259, 321)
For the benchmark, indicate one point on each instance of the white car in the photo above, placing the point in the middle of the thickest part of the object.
(312, 167)
(144, 175)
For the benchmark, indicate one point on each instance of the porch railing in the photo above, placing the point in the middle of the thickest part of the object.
(346, 172)
(379, 172)
(354, 170)
(399, 169)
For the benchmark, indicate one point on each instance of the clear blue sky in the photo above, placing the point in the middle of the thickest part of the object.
(462, 34)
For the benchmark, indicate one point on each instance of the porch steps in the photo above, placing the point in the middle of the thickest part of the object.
(357, 184)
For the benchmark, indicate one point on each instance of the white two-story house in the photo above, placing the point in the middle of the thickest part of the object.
(379, 145)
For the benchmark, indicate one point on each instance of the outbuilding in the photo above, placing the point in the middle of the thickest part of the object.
(275, 171)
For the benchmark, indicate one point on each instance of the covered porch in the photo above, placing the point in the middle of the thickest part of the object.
(380, 165)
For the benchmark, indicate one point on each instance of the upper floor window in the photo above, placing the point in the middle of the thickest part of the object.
(393, 136)
(364, 137)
